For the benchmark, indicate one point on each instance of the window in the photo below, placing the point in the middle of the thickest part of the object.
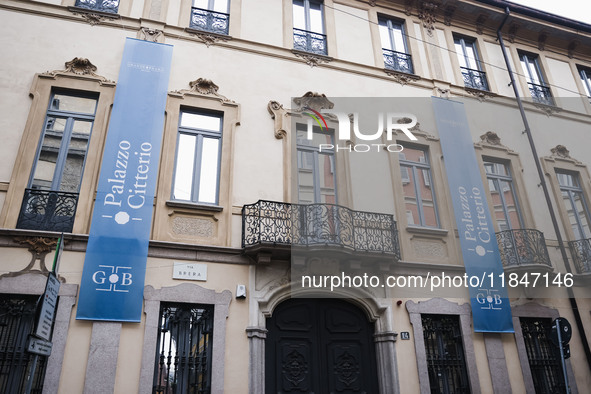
(316, 174)
(210, 15)
(445, 354)
(575, 204)
(394, 45)
(17, 317)
(184, 349)
(419, 196)
(585, 74)
(99, 5)
(196, 176)
(538, 89)
(470, 64)
(308, 26)
(52, 194)
(504, 199)
(543, 356)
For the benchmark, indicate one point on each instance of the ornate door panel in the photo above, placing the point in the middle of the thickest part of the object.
(320, 346)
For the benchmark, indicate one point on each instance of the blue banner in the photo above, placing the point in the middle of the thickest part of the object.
(491, 309)
(112, 284)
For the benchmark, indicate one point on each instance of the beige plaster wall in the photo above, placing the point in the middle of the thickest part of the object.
(497, 61)
(354, 36)
(262, 21)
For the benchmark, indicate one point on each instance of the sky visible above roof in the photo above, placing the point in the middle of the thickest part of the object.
(579, 10)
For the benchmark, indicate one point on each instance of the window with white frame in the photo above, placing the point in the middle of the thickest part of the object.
(308, 26)
(532, 71)
(419, 196)
(585, 74)
(575, 203)
(504, 199)
(394, 45)
(470, 64)
(210, 15)
(196, 177)
(316, 169)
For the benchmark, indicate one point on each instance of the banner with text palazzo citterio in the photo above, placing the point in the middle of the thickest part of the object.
(491, 309)
(112, 284)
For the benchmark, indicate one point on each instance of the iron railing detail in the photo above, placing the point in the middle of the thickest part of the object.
(543, 356)
(99, 5)
(184, 350)
(540, 93)
(278, 223)
(522, 247)
(474, 79)
(581, 254)
(308, 41)
(211, 21)
(397, 61)
(17, 317)
(48, 210)
(445, 354)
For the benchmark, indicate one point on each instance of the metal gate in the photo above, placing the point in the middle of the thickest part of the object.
(445, 354)
(17, 318)
(183, 354)
(543, 356)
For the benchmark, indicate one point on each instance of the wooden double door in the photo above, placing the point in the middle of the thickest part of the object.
(320, 346)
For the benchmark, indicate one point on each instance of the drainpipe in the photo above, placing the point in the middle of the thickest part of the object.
(573, 301)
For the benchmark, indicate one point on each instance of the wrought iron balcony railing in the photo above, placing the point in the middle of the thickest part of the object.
(48, 210)
(474, 79)
(540, 93)
(308, 41)
(99, 5)
(522, 247)
(211, 21)
(278, 223)
(581, 254)
(397, 61)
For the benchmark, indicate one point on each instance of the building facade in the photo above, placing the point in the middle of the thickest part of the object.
(252, 191)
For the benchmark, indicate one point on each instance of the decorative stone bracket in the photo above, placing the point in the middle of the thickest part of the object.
(400, 77)
(39, 247)
(312, 59)
(208, 38)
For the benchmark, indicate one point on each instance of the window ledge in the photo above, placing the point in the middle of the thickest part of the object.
(427, 231)
(548, 109)
(192, 205)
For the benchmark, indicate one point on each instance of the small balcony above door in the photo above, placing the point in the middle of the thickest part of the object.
(273, 226)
